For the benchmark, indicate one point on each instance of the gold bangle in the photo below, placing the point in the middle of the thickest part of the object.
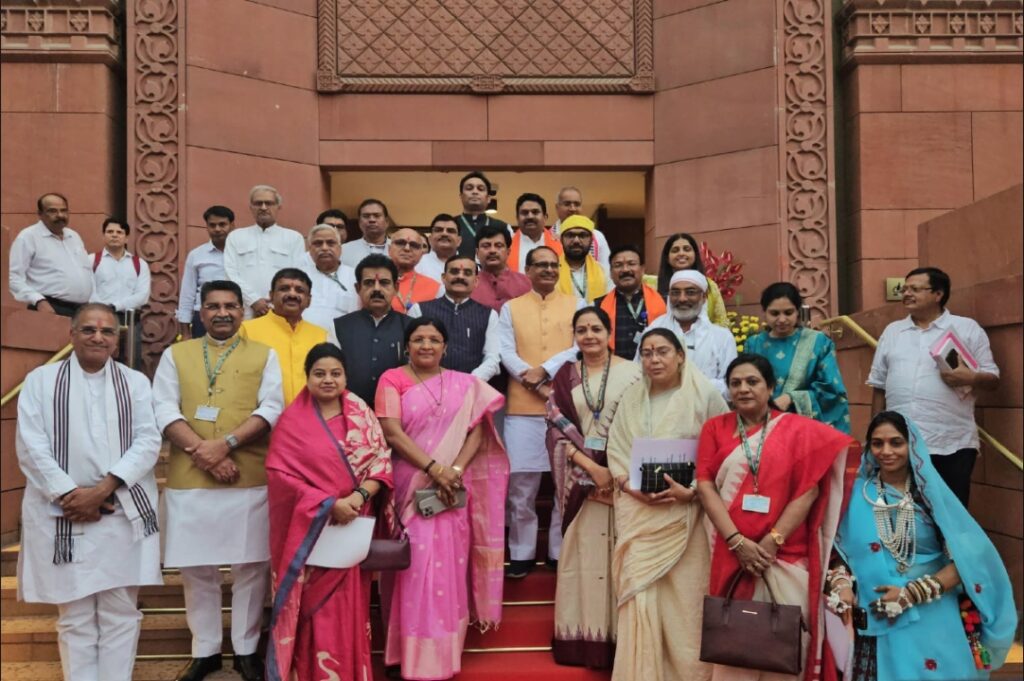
(457, 469)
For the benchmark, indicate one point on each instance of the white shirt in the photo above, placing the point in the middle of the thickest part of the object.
(253, 255)
(431, 266)
(491, 364)
(709, 346)
(598, 248)
(42, 264)
(115, 282)
(204, 263)
(352, 252)
(331, 297)
(510, 359)
(904, 368)
(526, 244)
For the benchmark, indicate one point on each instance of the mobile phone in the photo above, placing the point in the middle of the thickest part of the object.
(953, 359)
(860, 618)
(428, 504)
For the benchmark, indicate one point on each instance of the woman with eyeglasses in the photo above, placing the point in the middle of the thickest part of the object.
(807, 378)
(682, 253)
(660, 561)
(585, 396)
(440, 425)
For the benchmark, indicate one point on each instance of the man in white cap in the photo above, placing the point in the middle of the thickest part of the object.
(709, 346)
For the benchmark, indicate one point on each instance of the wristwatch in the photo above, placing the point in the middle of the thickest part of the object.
(363, 493)
(777, 537)
(231, 440)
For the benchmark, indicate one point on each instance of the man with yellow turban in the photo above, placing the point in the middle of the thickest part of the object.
(580, 274)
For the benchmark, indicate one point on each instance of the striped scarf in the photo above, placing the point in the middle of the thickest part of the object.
(144, 519)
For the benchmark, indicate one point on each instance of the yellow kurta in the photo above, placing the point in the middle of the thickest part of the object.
(291, 346)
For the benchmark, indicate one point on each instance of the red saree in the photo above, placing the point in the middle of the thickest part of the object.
(320, 623)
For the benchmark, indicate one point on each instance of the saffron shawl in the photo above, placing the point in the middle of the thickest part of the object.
(654, 307)
(305, 476)
(517, 242)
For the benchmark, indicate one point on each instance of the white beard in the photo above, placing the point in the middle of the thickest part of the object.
(687, 316)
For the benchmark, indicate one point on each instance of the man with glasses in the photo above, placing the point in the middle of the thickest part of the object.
(633, 305)
(708, 346)
(374, 222)
(580, 274)
(536, 340)
(334, 284)
(254, 254)
(937, 393)
(406, 248)
(569, 203)
(87, 444)
(444, 243)
(49, 268)
(216, 399)
(373, 335)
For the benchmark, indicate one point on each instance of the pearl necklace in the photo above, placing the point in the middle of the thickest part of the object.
(898, 534)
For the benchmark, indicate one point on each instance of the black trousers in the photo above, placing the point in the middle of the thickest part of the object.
(955, 469)
(198, 330)
(61, 307)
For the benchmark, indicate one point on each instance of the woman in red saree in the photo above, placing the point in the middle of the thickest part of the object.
(772, 485)
(327, 460)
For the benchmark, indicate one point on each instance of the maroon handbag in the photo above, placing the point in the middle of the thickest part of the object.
(752, 634)
(388, 553)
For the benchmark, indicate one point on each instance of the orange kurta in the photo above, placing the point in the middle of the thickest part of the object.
(413, 288)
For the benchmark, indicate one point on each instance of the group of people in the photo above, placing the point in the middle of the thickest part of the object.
(429, 382)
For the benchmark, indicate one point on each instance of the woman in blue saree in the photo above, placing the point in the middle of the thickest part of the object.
(807, 378)
(908, 560)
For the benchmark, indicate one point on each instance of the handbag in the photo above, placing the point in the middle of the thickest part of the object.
(652, 474)
(388, 553)
(752, 634)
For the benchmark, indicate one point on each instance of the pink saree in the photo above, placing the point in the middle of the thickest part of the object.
(457, 556)
(320, 622)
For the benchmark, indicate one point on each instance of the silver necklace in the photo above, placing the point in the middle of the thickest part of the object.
(897, 532)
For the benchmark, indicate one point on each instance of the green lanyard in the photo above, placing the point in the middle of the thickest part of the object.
(635, 312)
(595, 407)
(469, 228)
(334, 278)
(211, 375)
(753, 461)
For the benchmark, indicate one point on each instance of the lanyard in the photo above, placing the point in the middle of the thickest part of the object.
(582, 290)
(407, 300)
(211, 375)
(334, 278)
(753, 461)
(469, 227)
(595, 407)
(639, 314)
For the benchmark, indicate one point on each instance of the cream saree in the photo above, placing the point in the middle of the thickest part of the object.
(661, 558)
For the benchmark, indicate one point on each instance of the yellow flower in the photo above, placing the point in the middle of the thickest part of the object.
(739, 348)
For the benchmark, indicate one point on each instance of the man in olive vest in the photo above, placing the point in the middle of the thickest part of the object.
(215, 399)
(536, 340)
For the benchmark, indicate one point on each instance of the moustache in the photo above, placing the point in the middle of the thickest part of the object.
(460, 281)
(376, 295)
(291, 299)
(222, 320)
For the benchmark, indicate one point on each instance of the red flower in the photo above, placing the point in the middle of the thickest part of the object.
(930, 664)
(875, 547)
(977, 588)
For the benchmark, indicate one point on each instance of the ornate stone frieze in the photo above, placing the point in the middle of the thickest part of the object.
(807, 150)
(881, 31)
(486, 46)
(60, 30)
(155, 164)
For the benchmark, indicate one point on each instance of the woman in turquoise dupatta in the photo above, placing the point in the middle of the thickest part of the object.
(807, 378)
(913, 592)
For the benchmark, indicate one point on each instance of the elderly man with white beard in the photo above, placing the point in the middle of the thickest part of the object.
(709, 346)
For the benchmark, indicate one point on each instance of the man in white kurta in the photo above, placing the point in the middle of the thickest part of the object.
(254, 254)
(216, 398)
(709, 346)
(87, 444)
(333, 292)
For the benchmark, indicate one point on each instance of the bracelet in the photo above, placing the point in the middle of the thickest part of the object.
(426, 469)
(737, 545)
(364, 494)
(457, 469)
(729, 538)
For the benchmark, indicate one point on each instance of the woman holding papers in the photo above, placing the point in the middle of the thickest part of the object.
(327, 461)
(804, 360)
(919, 578)
(772, 486)
(451, 476)
(660, 561)
(584, 398)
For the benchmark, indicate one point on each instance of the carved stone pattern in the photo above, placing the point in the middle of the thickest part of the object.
(80, 30)
(808, 200)
(892, 30)
(486, 46)
(155, 84)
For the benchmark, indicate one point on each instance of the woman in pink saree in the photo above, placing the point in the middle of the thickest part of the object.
(440, 423)
(327, 463)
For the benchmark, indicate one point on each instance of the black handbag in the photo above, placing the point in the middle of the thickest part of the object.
(652, 475)
(752, 634)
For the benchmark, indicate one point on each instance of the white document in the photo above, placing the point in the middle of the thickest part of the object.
(653, 450)
(342, 546)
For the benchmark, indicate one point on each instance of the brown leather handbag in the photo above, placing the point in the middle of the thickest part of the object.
(388, 553)
(752, 634)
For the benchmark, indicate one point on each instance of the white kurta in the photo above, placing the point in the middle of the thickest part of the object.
(215, 526)
(353, 252)
(253, 255)
(106, 555)
(331, 296)
(709, 346)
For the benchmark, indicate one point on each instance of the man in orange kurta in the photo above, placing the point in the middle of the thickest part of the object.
(406, 248)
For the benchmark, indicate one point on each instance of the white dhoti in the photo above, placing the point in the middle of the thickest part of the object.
(528, 459)
(98, 635)
(206, 528)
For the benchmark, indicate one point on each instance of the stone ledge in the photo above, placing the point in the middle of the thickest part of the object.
(61, 30)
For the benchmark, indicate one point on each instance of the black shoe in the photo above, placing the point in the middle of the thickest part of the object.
(551, 564)
(198, 668)
(517, 569)
(249, 666)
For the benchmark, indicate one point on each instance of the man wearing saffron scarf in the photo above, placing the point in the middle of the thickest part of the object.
(406, 248)
(633, 304)
(532, 214)
(569, 203)
(216, 398)
(87, 444)
(580, 274)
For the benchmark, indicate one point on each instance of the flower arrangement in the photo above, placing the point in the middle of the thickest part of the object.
(723, 270)
(743, 326)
